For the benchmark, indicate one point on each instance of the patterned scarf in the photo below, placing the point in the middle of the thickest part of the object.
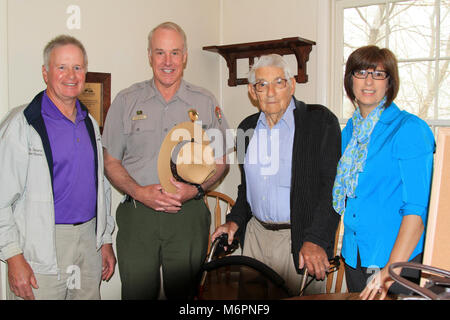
(353, 160)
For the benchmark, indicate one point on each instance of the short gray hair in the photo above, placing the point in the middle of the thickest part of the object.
(270, 60)
(63, 40)
(167, 25)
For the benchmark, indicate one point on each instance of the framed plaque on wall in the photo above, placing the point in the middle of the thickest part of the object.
(96, 95)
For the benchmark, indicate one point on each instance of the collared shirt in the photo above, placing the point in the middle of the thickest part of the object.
(267, 166)
(74, 188)
(396, 181)
(139, 119)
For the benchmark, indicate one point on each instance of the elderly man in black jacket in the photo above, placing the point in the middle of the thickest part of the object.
(288, 154)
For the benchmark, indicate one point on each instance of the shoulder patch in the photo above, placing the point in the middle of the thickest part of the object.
(218, 113)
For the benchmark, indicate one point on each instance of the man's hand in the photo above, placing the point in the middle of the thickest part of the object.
(229, 227)
(21, 277)
(184, 191)
(315, 259)
(108, 261)
(155, 197)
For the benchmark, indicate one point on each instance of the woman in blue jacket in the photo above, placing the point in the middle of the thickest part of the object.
(383, 179)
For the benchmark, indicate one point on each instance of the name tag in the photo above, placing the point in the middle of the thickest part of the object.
(139, 117)
(35, 152)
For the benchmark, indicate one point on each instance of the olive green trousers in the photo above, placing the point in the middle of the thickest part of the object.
(148, 239)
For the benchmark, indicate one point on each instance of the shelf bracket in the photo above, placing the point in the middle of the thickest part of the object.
(297, 46)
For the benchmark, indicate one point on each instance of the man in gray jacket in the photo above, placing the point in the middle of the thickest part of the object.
(55, 222)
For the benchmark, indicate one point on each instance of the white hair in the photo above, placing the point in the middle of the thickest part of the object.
(270, 60)
(63, 40)
(167, 25)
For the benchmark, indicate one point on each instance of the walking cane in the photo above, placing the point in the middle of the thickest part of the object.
(304, 279)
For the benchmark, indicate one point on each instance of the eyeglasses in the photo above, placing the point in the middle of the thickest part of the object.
(263, 86)
(376, 75)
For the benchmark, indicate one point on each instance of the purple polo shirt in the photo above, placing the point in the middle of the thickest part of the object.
(74, 187)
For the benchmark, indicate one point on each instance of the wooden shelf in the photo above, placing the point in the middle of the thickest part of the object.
(297, 46)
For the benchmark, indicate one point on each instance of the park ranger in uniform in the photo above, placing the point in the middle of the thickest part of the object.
(156, 227)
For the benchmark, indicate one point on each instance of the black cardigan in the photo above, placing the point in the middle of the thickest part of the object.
(316, 152)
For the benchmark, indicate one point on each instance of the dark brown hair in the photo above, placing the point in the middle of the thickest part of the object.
(369, 57)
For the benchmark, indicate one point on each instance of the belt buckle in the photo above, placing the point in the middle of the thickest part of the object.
(128, 198)
(274, 226)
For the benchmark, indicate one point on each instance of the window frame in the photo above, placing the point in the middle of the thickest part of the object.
(336, 90)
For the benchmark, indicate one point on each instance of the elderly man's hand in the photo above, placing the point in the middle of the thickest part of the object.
(229, 228)
(315, 259)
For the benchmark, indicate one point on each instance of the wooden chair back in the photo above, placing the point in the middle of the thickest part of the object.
(337, 277)
(221, 205)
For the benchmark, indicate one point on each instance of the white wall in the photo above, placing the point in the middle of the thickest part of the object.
(114, 33)
(3, 57)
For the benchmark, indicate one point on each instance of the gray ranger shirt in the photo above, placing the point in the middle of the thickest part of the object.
(139, 119)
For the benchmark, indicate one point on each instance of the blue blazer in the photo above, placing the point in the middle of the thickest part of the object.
(396, 181)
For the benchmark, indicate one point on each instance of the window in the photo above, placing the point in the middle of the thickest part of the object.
(418, 32)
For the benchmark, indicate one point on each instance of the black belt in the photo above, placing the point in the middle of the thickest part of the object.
(74, 224)
(273, 226)
(130, 199)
